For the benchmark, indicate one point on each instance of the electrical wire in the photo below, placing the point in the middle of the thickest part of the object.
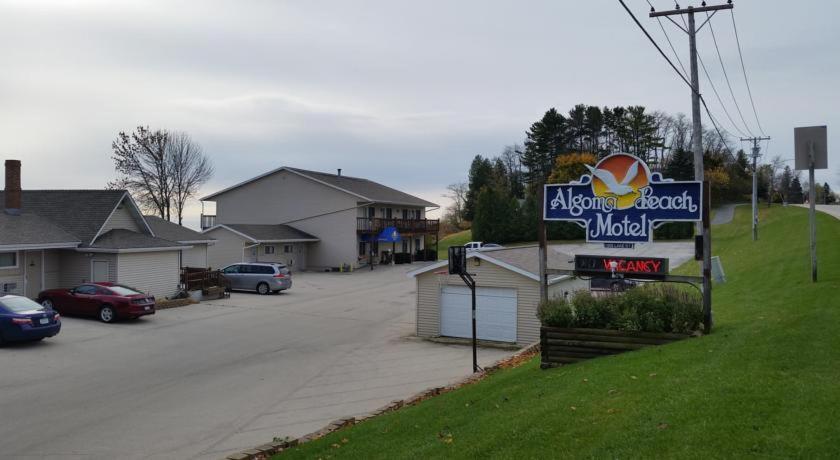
(717, 95)
(668, 38)
(682, 77)
(744, 69)
(726, 77)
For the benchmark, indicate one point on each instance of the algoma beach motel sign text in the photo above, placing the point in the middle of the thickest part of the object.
(621, 201)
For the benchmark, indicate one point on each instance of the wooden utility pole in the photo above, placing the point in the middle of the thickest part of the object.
(703, 227)
(543, 247)
(755, 154)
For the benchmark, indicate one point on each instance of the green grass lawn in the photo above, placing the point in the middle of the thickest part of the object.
(455, 239)
(765, 383)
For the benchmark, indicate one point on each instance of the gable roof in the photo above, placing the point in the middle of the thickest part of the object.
(124, 240)
(259, 233)
(523, 260)
(81, 213)
(174, 232)
(29, 230)
(364, 189)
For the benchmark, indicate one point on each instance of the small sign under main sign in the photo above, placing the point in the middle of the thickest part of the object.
(630, 267)
(619, 245)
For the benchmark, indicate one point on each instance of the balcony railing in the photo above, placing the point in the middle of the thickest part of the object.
(207, 221)
(377, 224)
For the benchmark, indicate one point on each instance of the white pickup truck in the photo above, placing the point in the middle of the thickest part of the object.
(478, 246)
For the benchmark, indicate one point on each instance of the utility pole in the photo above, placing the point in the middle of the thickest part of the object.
(703, 228)
(755, 154)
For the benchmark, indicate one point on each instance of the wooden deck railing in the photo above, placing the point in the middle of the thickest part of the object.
(377, 224)
(194, 279)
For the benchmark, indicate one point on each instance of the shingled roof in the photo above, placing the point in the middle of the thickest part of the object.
(30, 229)
(267, 233)
(364, 189)
(126, 240)
(80, 213)
(174, 232)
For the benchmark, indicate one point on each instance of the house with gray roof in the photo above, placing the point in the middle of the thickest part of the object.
(62, 238)
(316, 220)
(196, 255)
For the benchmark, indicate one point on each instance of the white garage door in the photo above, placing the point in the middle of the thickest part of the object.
(495, 313)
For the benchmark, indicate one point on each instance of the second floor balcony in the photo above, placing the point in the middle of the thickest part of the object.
(377, 224)
(207, 221)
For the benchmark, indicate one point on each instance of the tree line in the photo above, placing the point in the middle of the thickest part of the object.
(498, 201)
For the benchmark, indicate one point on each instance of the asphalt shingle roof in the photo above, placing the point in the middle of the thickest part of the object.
(172, 231)
(369, 189)
(271, 232)
(121, 238)
(364, 188)
(28, 228)
(80, 213)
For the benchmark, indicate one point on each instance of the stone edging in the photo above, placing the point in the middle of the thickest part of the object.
(265, 451)
(174, 303)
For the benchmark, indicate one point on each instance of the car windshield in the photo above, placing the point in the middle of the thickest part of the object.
(123, 290)
(19, 304)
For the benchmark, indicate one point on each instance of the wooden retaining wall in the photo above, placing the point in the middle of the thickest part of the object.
(571, 345)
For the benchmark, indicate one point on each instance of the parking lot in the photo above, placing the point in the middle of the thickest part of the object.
(206, 380)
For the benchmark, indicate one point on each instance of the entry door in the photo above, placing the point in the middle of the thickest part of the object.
(34, 271)
(495, 313)
(101, 268)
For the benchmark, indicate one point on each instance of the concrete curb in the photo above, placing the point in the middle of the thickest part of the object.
(266, 451)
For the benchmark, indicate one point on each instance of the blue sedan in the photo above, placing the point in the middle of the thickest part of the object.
(22, 319)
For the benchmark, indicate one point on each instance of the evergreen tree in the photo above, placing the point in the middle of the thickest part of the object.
(795, 192)
(494, 216)
(680, 166)
(545, 140)
(785, 183)
(481, 175)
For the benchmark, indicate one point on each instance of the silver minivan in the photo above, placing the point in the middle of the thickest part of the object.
(257, 276)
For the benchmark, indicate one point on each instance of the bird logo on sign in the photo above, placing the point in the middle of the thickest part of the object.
(633, 173)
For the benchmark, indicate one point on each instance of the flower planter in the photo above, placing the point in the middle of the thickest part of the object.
(560, 346)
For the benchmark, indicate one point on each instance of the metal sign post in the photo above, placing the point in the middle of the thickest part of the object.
(811, 145)
(458, 266)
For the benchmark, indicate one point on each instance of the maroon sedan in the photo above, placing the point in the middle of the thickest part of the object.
(106, 301)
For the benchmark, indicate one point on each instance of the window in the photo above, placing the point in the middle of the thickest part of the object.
(416, 244)
(362, 248)
(405, 245)
(417, 214)
(86, 289)
(405, 213)
(269, 250)
(231, 269)
(288, 248)
(8, 259)
(389, 213)
(371, 212)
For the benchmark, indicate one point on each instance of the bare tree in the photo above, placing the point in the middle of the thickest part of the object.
(140, 160)
(189, 169)
(160, 169)
(458, 195)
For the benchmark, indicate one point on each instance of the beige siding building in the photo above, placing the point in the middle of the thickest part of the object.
(507, 296)
(343, 216)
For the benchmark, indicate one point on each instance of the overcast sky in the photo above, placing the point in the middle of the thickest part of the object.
(404, 93)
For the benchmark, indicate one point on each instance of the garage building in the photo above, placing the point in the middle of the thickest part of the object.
(507, 295)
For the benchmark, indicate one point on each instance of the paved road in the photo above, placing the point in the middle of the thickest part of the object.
(724, 214)
(207, 380)
(830, 209)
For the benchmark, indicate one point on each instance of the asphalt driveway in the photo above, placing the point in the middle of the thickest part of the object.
(207, 380)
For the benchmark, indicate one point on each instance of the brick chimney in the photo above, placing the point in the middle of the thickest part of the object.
(339, 171)
(12, 193)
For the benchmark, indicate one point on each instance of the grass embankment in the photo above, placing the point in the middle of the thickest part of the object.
(456, 239)
(764, 383)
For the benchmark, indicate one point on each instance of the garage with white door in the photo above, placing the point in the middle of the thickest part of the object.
(495, 320)
(507, 296)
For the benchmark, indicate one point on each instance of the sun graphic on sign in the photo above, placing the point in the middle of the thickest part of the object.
(621, 176)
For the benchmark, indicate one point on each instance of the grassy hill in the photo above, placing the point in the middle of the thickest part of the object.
(763, 384)
(455, 239)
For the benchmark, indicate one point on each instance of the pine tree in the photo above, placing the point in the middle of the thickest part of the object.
(828, 194)
(680, 166)
(545, 140)
(481, 175)
(795, 192)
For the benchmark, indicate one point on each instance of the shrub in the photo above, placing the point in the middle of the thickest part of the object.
(556, 313)
(654, 307)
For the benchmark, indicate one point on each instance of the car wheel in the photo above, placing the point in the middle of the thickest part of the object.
(48, 304)
(263, 289)
(107, 314)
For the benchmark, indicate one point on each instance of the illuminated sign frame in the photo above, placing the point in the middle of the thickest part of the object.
(622, 201)
(652, 268)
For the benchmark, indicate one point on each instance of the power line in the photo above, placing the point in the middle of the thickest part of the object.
(682, 77)
(726, 76)
(717, 95)
(671, 45)
(744, 69)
